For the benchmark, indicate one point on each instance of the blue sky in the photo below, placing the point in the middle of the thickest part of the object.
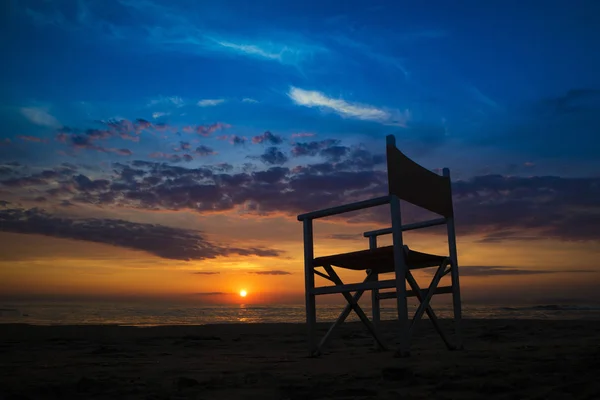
(196, 106)
(495, 77)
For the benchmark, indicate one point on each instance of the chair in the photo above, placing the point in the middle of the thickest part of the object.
(415, 184)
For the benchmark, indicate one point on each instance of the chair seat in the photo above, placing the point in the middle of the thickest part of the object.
(380, 259)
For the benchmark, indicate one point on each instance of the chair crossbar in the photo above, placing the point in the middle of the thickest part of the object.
(353, 287)
(344, 314)
(323, 275)
(407, 227)
(354, 305)
(413, 293)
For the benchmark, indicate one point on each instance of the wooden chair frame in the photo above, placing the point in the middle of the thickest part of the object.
(448, 265)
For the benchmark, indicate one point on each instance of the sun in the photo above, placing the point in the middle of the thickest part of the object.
(243, 293)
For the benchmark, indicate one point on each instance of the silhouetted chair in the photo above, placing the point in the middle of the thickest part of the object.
(415, 184)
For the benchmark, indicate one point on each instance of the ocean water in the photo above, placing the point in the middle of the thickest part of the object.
(139, 314)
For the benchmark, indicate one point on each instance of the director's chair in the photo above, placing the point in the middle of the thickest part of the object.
(415, 184)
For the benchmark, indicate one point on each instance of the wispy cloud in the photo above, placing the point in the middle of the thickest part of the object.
(274, 272)
(210, 102)
(252, 49)
(293, 52)
(167, 100)
(34, 139)
(479, 96)
(249, 100)
(40, 116)
(313, 98)
(205, 273)
(159, 114)
(302, 134)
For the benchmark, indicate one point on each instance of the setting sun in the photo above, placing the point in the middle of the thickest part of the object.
(243, 293)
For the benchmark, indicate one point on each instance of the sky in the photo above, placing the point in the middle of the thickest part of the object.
(163, 149)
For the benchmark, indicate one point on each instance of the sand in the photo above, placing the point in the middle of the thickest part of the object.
(503, 359)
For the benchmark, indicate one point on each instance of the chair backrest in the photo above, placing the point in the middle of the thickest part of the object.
(416, 184)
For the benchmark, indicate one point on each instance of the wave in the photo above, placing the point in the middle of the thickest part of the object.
(553, 307)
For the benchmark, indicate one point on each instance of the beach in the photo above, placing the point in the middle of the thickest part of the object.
(502, 359)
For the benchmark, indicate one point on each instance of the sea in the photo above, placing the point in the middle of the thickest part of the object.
(141, 314)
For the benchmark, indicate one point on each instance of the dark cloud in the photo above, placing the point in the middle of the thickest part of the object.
(510, 271)
(271, 176)
(562, 128)
(548, 207)
(347, 236)
(210, 293)
(34, 139)
(334, 153)
(494, 207)
(204, 151)
(174, 158)
(274, 272)
(267, 137)
(205, 130)
(273, 156)
(312, 148)
(575, 100)
(237, 140)
(162, 241)
(129, 130)
(184, 146)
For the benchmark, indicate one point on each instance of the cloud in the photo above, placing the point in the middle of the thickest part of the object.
(40, 116)
(482, 97)
(203, 150)
(313, 98)
(174, 158)
(273, 156)
(292, 52)
(273, 272)
(267, 137)
(249, 100)
(205, 273)
(575, 100)
(491, 208)
(205, 130)
(347, 236)
(210, 102)
(167, 100)
(162, 241)
(34, 139)
(79, 139)
(210, 294)
(486, 271)
(302, 134)
(312, 148)
(159, 114)
(233, 139)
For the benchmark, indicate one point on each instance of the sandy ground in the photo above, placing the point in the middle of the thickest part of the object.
(503, 359)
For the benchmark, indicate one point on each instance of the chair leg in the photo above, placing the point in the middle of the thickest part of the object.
(340, 320)
(375, 309)
(365, 320)
(400, 270)
(309, 281)
(430, 313)
(456, 305)
(311, 322)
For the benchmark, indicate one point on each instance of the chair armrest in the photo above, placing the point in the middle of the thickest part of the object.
(345, 208)
(407, 227)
